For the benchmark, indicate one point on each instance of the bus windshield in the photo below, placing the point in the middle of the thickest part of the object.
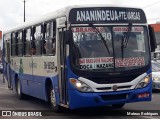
(90, 52)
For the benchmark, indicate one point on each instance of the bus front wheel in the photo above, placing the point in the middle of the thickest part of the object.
(53, 102)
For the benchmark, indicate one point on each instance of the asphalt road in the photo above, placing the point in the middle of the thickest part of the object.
(9, 101)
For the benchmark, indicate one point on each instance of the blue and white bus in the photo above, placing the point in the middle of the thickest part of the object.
(82, 56)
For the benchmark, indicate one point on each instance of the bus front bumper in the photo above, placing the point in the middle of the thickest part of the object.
(81, 100)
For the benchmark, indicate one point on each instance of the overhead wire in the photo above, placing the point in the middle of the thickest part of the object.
(151, 4)
(151, 19)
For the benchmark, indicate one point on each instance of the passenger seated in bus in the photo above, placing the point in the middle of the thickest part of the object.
(33, 51)
(50, 48)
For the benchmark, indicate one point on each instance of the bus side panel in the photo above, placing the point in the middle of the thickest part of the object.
(25, 83)
(39, 87)
(32, 87)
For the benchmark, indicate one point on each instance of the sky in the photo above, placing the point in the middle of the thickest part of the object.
(12, 14)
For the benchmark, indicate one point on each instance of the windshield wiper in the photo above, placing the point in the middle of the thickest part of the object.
(125, 39)
(103, 40)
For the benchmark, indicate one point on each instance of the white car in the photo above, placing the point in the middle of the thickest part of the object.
(155, 75)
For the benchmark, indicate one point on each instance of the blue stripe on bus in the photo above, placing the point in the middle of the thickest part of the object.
(35, 85)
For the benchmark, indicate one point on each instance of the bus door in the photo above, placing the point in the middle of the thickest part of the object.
(62, 72)
(62, 62)
(8, 61)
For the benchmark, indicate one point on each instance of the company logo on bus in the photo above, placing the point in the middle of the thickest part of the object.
(115, 87)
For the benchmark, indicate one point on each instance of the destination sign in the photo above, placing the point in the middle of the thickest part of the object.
(106, 15)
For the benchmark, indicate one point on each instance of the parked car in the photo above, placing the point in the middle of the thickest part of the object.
(1, 67)
(155, 75)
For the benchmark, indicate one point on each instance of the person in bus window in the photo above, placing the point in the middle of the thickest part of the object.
(54, 47)
(33, 51)
(50, 48)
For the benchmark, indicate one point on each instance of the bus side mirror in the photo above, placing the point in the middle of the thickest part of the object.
(68, 36)
(153, 43)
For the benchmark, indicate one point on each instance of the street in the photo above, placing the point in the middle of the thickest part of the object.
(9, 101)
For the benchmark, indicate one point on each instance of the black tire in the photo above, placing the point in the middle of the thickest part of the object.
(118, 105)
(19, 90)
(9, 85)
(9, 80)
(52, 98)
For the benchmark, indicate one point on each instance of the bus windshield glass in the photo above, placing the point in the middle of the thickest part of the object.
(90, 53)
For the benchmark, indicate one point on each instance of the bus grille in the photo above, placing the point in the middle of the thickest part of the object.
(109, 88)
(114, 97)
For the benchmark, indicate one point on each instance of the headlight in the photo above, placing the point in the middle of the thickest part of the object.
(80, 85)
(156, 79)
(144, 82)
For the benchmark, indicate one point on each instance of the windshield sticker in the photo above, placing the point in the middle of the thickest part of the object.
(87, 29)
(125, 29)
(107, 62)
(89, 33)
(129, 62)
(96, 63)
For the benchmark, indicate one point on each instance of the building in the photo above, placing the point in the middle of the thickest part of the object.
(157, 34)
(0, 46)
(0, 35)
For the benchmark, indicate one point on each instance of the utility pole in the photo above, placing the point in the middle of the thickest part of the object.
(24, 10)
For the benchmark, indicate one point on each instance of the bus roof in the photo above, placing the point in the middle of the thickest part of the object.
(60, 13)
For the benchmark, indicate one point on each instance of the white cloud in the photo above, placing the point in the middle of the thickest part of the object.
(11, 11)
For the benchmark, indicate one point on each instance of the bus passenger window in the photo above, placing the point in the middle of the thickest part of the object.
(13, 44)
(50, 47)
(20, 44)
(50, 40)
(38, 39)
(27, 42)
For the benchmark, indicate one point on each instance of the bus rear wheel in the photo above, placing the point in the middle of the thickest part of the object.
(19, 90)
(118, 105)
(53, 102)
